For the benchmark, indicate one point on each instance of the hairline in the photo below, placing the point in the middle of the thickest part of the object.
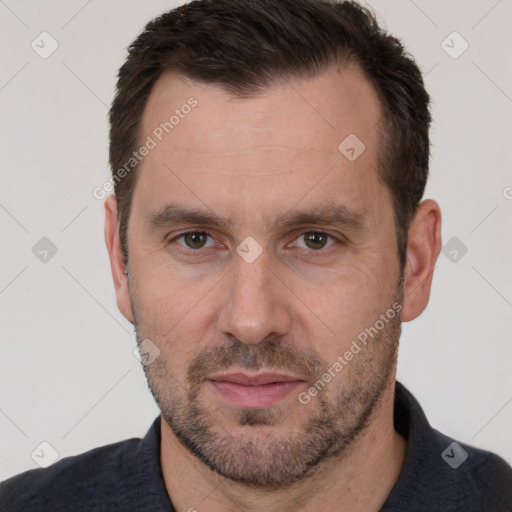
(339, 63)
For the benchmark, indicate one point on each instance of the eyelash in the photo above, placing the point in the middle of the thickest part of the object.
(201, 250)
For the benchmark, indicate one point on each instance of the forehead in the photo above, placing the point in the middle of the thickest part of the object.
(311, 137)
(337, 102)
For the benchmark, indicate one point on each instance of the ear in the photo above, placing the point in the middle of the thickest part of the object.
(423, 248)
(116, 258)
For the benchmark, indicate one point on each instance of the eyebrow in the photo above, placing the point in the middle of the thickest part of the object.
(325, 214)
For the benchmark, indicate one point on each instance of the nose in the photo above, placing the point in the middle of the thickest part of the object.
(255, 305)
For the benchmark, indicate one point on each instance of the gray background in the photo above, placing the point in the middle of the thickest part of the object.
(68, 373)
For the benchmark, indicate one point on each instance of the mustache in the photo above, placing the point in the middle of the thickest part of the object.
(269, 354)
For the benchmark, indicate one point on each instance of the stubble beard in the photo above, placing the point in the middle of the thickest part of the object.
(255, 452)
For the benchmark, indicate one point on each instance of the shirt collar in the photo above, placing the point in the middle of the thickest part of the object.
(409, 420)
(151, 486)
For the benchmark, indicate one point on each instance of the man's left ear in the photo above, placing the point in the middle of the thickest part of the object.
(423, 248)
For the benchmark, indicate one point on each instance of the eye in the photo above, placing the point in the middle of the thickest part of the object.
(195, 240)
(315, 240)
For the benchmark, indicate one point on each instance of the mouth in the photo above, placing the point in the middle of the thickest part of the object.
(254, 391)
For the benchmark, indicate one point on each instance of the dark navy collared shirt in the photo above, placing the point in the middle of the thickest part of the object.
(439, 475)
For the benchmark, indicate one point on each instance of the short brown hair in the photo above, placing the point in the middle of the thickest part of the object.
(244, 46)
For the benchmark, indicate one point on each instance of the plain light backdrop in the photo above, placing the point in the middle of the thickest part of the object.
(68, 373)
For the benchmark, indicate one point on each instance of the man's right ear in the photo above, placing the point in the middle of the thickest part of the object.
(112, 239)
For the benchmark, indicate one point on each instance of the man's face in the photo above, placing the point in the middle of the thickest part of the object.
(243, 334)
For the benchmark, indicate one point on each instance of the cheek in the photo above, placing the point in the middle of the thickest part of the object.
(161, 292)
(340, 312)
(340, 305)
(172, 311)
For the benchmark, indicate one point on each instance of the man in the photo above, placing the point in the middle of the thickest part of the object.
(267, 238)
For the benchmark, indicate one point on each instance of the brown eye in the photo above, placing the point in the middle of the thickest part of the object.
(195, 239)
(315, 240)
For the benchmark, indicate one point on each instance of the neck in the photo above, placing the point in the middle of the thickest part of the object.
(360, 480)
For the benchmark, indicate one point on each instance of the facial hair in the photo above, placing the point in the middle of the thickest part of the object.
(255, 451)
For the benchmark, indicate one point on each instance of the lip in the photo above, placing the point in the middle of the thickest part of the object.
(254, 391)
(254, 380)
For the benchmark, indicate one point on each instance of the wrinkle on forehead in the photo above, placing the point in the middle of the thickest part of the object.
(314, 114)
(265, 152)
